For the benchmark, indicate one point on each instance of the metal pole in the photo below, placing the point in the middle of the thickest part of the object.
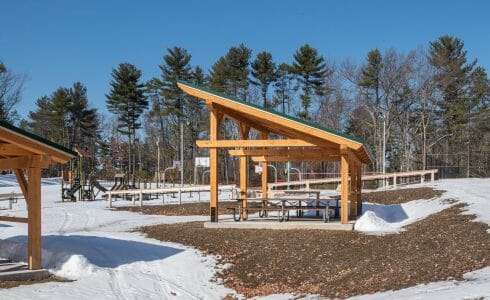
(181, 154)
(384, 151)
(158, 162)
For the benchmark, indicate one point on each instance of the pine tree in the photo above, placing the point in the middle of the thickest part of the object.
(237, 60)
(127, 100)
(284, 88)
(218, 77)
(83, 120)
(264, 73)
(310, 68)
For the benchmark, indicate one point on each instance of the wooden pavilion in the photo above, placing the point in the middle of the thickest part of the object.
(304, 141)
(21, 151)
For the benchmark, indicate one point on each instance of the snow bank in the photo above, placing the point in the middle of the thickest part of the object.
(476, 285)
(383, 219)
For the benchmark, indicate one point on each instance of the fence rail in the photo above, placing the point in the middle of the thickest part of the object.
(387, 176)
(163, 191)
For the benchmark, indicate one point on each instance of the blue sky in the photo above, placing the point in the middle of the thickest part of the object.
(56, 43)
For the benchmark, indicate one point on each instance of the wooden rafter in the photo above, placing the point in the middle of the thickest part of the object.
(13, 150)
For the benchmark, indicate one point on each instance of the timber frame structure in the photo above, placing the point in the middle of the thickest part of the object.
(304, 141)
(23, 152)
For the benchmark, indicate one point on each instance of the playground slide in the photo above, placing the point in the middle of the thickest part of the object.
(99, 186)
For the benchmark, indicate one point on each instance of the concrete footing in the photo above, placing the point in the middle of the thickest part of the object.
(286, 225)
(19, 272)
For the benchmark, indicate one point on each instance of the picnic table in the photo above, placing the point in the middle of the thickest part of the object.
(284, 205)
(11, 198)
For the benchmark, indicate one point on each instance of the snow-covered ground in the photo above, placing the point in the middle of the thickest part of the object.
(94, 246)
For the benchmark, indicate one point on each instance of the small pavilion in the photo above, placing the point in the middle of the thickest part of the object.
(27, 154)
(303, 141)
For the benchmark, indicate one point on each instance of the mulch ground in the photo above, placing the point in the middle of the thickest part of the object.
(401, 196)
(11, 284)
(202, 209)
(339, 264)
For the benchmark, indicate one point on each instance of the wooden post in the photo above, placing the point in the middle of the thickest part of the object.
(394, 180)
(422, 178)
(34, 218)
(243, 129)
(353, 191)
(344, 184)
(110, 199)
(359, 190)
(432, 177)
(265, 171)
(214, 120)
(141, 198)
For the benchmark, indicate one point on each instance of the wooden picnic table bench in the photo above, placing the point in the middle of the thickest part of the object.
(284, 205)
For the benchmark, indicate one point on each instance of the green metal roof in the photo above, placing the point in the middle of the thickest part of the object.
(272, 111)
(37, 138)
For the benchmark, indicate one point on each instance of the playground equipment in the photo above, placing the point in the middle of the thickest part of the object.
(78, 181)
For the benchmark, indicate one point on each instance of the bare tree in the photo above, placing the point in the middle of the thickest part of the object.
(11, 85)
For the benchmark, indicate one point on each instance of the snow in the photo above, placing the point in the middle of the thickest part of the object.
(92, 245)
(97, 248)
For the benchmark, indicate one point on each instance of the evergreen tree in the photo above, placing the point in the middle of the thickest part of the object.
(310, 68)
(218, 77)
(127, 100)
(83, 120)
(264, 73)
(237, 60)
(284, 88)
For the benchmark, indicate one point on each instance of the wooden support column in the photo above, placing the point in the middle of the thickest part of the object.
(243, 129)
(214, 121)
(34, 218)
(359, 189)
(353, 191)
(344, 184)
(265, 171)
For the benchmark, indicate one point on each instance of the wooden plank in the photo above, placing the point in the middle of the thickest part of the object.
(265, 171)
(281, 152)
(34, 216)
(295, 158)
(214, 122)
(253, 143)
(344, 184)
(13, 219)
(21, 179)
(13, 150)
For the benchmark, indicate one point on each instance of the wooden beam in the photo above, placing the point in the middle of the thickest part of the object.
(344, 184)
(21, 179)
(13, 219)
(283, 152)
(24, 162)
(34, 216)
(253, 143)
(214, 123)
(9, 150)
(284, 158)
